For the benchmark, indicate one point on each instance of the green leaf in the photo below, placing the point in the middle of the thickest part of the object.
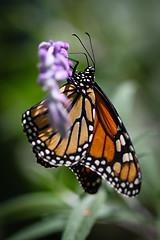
(31, 205)
(158, 227)
(124, 98)
(40, 229)
(83, 217)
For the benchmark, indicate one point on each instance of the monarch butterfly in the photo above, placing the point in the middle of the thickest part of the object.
(97, 144)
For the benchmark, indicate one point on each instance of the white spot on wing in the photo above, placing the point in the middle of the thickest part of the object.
(42, 153)
(116, 179)
(119, 119)
(97, 162)
(103, 162)
(93, 113)
(126, 135)
(90, 128)
(123, 142)
(130, 156)
(90, 137)
(118, 145)
(85, 145)
(123, 185)
(131, 185)
(88, 163)
(53, 161)
(93, 167)
(136, 181)
(131, 148)
(47, 151)
(125, 157)
(120, 190)
(108, 169)
(104, 175)
(68, 162)
(77, 157)
(100, 169)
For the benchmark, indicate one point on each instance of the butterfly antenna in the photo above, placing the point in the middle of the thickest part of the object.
(83, 54)
(75, 35)
(90, 40)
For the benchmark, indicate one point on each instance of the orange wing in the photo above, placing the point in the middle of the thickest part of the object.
(51, 150)
(111, 154)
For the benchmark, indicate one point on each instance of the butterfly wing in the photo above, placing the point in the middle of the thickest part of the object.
(89, 180)
(111, 153)
(47, 142)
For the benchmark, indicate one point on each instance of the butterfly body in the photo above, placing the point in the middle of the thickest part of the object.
(97, 144)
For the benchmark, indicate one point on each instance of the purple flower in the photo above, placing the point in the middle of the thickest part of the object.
(54, 67)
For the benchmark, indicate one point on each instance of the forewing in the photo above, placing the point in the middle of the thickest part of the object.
(47, 142)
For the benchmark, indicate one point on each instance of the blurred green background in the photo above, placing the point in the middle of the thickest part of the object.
(39, 203)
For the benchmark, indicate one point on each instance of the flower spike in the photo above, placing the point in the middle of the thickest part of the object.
(54, 67)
